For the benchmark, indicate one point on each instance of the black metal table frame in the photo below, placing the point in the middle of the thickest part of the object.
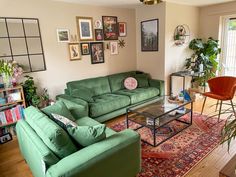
(155, 127)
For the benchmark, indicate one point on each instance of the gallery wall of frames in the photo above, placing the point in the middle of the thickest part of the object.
(93, 37)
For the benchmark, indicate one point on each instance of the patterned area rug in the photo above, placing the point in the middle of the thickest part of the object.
(178, 155)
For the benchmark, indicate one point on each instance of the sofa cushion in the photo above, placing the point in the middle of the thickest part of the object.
(99, 85)
(143, 80)
(83, 93)
(51, 134)
(87, 135)
(62, 121)
(58, 108)
(87, 121)
(139, 94)
(107, 103)
(117, 80)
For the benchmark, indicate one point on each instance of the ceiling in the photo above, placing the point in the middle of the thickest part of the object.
(136, 2)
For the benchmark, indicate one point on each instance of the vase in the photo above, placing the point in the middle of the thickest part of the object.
(6, 80)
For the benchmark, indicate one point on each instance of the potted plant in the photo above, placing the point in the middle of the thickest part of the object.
(229, 131)
(204, 58)
(10, 72)
(30, 90)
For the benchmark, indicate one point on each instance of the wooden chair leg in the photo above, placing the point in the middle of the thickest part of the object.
(217, 105)
(220, 110)
(204, 102)
(232, 104)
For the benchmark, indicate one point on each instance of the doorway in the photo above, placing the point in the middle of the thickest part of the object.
(228, 62)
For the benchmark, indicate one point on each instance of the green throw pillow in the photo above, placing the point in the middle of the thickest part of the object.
(142, 80)
(58, 108)
(87, 135)
(83, 93)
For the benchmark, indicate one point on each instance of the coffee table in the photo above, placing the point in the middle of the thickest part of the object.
(158, 114)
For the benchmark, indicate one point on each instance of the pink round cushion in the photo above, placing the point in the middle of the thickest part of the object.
(130, 83)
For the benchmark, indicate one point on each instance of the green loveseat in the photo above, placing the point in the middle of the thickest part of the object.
(104, 98)
(116, 156)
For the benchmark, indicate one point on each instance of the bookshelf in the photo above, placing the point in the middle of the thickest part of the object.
(12, 102)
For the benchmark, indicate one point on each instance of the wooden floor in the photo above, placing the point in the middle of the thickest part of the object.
(13, 165)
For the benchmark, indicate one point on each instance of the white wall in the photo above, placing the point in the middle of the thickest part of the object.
(170, 58)
(175, 56)
(210, 18)
(152, 62)
(53, 15)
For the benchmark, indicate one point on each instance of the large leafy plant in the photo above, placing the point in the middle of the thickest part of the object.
(205, 53)
(30, 90)
(229, 131)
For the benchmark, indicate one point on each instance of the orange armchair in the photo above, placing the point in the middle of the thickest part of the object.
(222, 89)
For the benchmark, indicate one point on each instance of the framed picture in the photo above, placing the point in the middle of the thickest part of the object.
(5, 138)
(63, 35)
(98, 24)
(85, 28)
(114, 48)
(110, 28)
(85, 50)
(97, 52)
(98, 34)
(74, 51)
(149, 35)
(122, 29)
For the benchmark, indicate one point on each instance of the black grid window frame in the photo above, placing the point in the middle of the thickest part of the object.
(23, 37)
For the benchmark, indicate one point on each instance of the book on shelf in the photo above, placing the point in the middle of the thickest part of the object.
(11, 115)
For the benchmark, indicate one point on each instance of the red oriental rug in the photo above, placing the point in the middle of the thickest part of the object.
(178, 155)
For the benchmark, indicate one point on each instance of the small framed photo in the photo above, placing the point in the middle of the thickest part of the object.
(97, 52)
(114, 48)
(110, 27)
(122, 29)
(85, 28)
(5, 138)
(63, 35)
(98, 24)
(85, 50)
(98, 34)
(74, 51)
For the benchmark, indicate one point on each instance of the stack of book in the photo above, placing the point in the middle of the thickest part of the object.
(11, 115)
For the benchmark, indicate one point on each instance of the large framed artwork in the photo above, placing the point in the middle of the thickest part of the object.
(149, 35)
(97, 52)
(110, 27)
(85, 28)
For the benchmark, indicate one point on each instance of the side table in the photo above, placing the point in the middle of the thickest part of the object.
(184, 74)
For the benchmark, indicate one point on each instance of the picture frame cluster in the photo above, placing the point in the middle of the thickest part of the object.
(91, 36)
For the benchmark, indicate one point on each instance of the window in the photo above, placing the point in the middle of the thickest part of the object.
(229, 47)
(20, 40)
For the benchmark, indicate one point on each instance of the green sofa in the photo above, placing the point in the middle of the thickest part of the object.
(104, 98)
(116, 156)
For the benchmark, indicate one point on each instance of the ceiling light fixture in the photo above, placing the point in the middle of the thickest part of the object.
(150, 2)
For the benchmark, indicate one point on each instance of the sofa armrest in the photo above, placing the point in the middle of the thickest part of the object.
(116, 156)
(78, 107)
(158, 84)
